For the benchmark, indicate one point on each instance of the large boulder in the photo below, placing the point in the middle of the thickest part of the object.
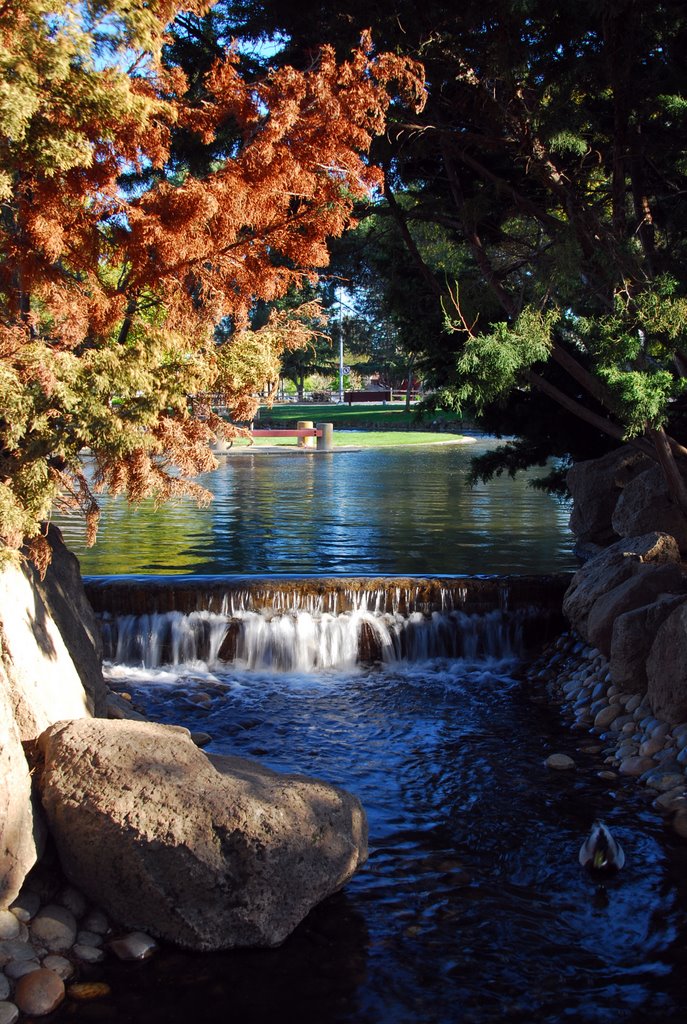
(49, 651)
(42, 681)
(206, 855)
(633, 634)
(643, 587)
(666, 668)
(609, 569)
(645, 504)
(596, 485)
(20, 844)
(63, 593)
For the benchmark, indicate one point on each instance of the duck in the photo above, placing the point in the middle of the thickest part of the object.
(600, 851)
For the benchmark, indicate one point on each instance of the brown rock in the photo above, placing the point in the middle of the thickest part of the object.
(63, 592)
(666, 668)
(208, 855)
(19, 849)
(596, 485)
(227, 649)
(369, 643)
(645, 504)
(641, 589)
(633, 635)
(606, 715)
(41, 678)
(39, 992)
(54, 927)
(611, 568)
(636, 765)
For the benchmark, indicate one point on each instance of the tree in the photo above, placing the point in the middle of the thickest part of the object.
(284, 345)
(551, 147)
(401, 331)
(109, 295)
(562, 165)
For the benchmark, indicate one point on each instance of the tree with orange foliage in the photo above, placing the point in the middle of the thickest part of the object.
(109, 298)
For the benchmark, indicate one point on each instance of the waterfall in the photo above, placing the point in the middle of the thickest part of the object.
(314, 623)
(308, 641)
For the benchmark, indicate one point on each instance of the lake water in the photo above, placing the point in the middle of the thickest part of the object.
(375, 511)
(472, 908)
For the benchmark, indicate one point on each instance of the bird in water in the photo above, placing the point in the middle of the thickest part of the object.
(600, 851)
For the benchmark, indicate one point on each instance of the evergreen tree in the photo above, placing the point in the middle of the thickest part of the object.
(552, 149)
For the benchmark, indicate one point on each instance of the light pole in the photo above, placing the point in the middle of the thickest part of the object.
(341, 350)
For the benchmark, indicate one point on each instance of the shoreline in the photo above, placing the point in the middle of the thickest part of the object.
(630, 742)
(294, 449)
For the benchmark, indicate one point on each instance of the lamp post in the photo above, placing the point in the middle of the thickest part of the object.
(341, 351)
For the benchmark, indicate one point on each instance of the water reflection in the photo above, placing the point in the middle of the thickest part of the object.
(384, 511)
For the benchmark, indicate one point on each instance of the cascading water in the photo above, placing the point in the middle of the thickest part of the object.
(306, 625)
(308, 641)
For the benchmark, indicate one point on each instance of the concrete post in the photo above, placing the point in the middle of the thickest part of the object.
(306, 442)
(326, 442)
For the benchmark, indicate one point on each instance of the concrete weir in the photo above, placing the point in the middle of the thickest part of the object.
(333, 594)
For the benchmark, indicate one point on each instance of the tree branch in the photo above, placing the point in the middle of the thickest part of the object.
(592, 385)
(409, 240)
(606, 426)
(473, 239)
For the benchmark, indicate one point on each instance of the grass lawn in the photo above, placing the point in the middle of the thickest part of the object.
(374, 416)
(363, 439)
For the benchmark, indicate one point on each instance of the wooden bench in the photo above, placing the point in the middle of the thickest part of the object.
(324, 432)
(297, 432)
(367, 396)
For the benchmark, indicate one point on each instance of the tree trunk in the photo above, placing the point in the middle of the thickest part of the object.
(409, 380)
(674, 478)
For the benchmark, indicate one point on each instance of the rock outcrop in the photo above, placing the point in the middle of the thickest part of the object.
(46, 630)
(633, 636)
(611, 568)
(43, 683)
(19, 848)
(596, 485)
(666, 668)
(629, 600)
(63, 594)
(206, 855)
(645, 586)
(645, 504)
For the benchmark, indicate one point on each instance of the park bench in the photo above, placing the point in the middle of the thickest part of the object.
(367, 396)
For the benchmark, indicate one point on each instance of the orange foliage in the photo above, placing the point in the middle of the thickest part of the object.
(108, 302)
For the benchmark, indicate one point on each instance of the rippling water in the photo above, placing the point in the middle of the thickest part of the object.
(383, 511)
(472, 907)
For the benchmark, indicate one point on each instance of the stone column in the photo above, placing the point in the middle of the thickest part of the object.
(326, 442)
(305, 442)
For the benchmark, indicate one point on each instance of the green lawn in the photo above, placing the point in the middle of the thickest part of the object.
(363, 439)
(374, 416)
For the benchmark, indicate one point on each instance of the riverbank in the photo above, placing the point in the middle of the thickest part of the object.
(616, 726)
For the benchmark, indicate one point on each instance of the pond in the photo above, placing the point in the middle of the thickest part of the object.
(374, 511)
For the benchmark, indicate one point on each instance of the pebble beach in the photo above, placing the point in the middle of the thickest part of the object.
(627, 738)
